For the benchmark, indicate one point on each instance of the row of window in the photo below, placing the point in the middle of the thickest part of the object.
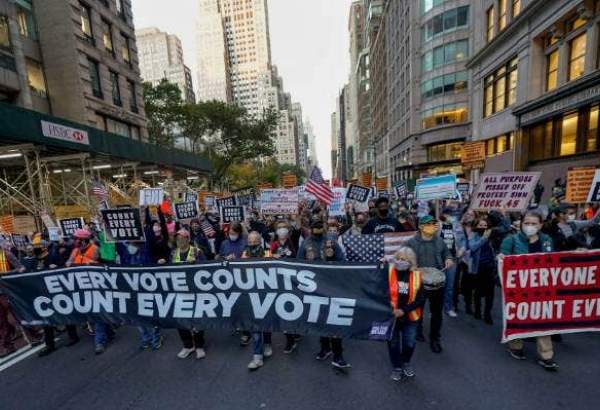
(118, 127)
(452, 83)
(107, 36)
(445, 54)
(445, 22)
(94, 71)
(569, 134)
(496, 25)
(499, 144)
(576, 41)
(446, 114)
(427, 5)
(26, 25)
(444, 152)
(500, 88)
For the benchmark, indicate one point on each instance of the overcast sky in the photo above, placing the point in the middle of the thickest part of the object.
(309, 42)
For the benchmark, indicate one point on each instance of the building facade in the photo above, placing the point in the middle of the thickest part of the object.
(161, 57)
(536, 85)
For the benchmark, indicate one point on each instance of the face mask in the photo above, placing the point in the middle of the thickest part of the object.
(132, 249)
(530, 230)
(429, 230)
(83, 243)
(233, 237)
(282, 233)
(317, 232)
(480, 231)
(383, 212)
(571, 217)
(360, 223)
(402, 265)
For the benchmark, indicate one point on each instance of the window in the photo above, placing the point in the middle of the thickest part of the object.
(4, 33)
(575, 24)
(591, 142)
(120, 9)
(577, 57)
(107, 36)
(116, 90)
(500, 144)
(94, 69)
(444, 152)
(26, 23)
(552, 70)
(568, 137)
(516, 8)
(86, 22)
(35, 77)
(445, 54)
(427, 5)
(444, 115)
(446, 84)
(445, 22)
(540, 141)
(118, 127)
(502, 18)
(500, 88)
(133, 106)
(490, 21)
(125, 52)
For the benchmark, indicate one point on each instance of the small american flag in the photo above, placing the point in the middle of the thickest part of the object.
(207, 228)
(99, 191)
(317, 186)
(371, 248)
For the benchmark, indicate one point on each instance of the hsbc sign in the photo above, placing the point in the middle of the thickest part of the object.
(60, 132)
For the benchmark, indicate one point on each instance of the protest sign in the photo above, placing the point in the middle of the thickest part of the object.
(5, 237)
(289, 181)
(442, 187)
(579, 181)
(20, 241)
(304, 195)
(401, 190)
(357, 193)
(381, 183)
(227, 201)
(550, 293)
(246, 200)
(336, 208)
(123, 224)
(191, 197)
(255, 295)
(594, 195)
(151, 196)
(463, 188)
(473, 155)
(279, 201)
(69, 226)
(231, 214)
(54, 234)
(186, 210)
(510, 191)
(210, 202)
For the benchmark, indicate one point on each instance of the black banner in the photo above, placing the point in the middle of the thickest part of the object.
(123, 224)
(327, 299)
(229, 201)
(186, 210)
(358, 193)
(70, 225)
(401, 190)
(191, 197)
(246, 200)
(231, 214)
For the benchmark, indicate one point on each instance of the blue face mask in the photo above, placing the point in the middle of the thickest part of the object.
(132, 249)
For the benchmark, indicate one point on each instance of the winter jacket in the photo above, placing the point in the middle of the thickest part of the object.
(430, 254)
(518, 244)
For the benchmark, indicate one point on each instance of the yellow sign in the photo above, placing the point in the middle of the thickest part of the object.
(473, 155)
(366, 179)
(289, 181)
(579, 182)
(382, 183)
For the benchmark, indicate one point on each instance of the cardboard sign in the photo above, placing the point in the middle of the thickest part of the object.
(579, 181)
(550, 293)
(289, 181)
(510, 191)
(69, 226)
(381, 183)
(151, 196)
(442, 187)
(230, 214)
(279, 201)
(401, 190)
(228, 201)
(186, 210)
(336, 208)
(473, 155)
(366, 179)
(357, 193)
(122, 225)
(594, 195)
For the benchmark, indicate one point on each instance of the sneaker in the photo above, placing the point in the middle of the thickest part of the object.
(256, 363)
(408, 370)
(159, 343)
(184, 353)
(72, 342)
(324, 355)
(245, 340)
(452, 313)
(46, 351)
(268, 350)
(340, 363)
(549, 365)
(396, 375)
(517, 354)
(436, 346)
(99, 349)
(200, 354)
(290, 347)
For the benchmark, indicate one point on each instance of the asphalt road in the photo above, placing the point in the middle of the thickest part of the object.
(473, 372)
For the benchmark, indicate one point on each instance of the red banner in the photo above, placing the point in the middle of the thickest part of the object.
(546, 294)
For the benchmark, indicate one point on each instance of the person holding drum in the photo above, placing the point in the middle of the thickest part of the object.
(433, 258)
(406, 298)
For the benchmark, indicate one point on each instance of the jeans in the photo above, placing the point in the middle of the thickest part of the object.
(103, 333)
(191, 339)
(449, 288)
(436, 307)
(402, 345)
(150, 336)
(486, 284)
(332, 344)
(259, 340)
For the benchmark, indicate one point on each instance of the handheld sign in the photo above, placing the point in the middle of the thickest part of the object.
(401, 190)
(191, 197)
(442, 187)
(279, 201)
(151, 196)
(579, 181)
(510, 191)
(230, 214)
(20, 241)
(336, 208)
(228, 201)
(186, 210)
(357, 193)
(594, 195)
(70, 225)
(123, 224)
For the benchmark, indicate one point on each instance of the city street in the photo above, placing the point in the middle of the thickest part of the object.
(473, 372)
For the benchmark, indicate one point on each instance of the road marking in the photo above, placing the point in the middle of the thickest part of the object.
(18, 356)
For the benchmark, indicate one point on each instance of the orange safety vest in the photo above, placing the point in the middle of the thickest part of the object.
(86, 258)
(4, 264)
(415, 281)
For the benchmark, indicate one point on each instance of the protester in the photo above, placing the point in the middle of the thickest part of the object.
(8, 263)
(449, 231)
(199, 240)
(531, 240)
(483, 272)
(565, 230)
(383, 222)
(407, 298)
(233, 247)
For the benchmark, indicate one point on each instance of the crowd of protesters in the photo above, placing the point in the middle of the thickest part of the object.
(453, 241)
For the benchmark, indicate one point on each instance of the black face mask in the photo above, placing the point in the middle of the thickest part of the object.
(480, 231)
(383, 212)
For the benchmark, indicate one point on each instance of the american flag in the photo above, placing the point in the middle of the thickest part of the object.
(207, 228)
(99, 190)
(317, 186)
(371, 248)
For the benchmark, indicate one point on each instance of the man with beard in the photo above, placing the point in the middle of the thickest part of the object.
(383, 222)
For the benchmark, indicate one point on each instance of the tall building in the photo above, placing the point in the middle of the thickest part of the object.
(312, 160)
(161, 57)
(335, 132)
(104, 89)
(536, 86)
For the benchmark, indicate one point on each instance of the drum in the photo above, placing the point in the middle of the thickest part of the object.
(433, 278)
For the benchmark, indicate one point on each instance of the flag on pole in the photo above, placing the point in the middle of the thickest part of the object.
(99, 191)
(317, 186)
(371, 248)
